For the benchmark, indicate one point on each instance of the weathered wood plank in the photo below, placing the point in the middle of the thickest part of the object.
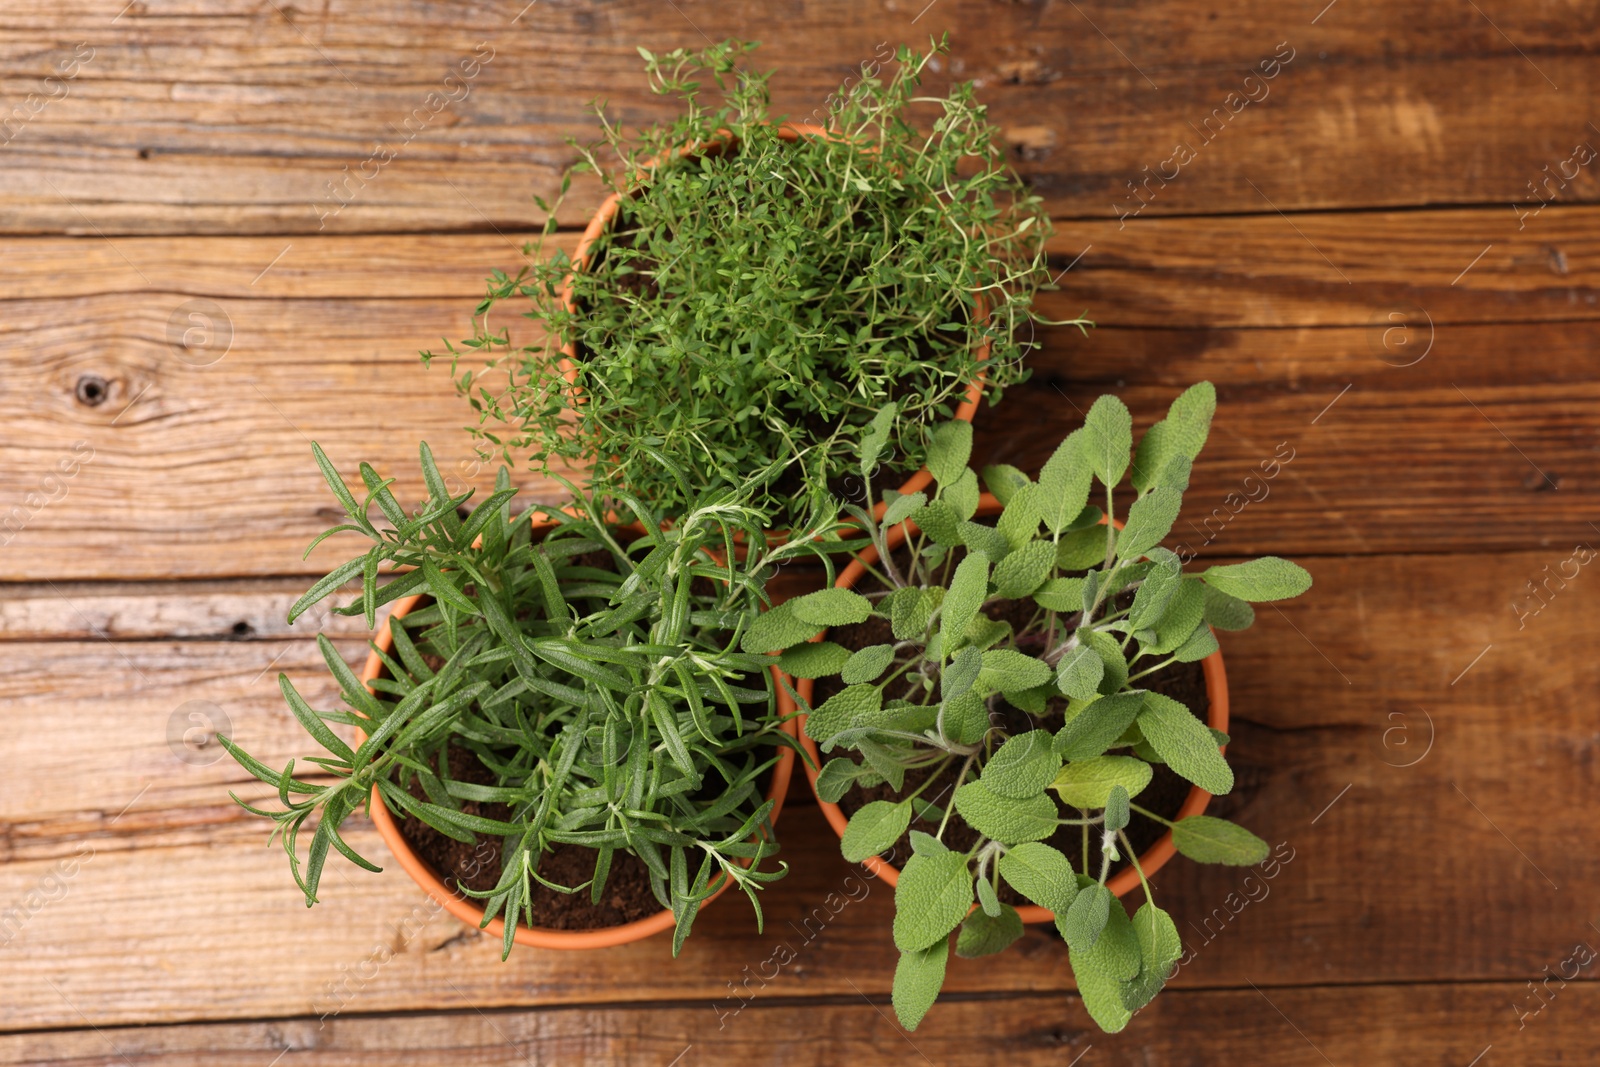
(1221, 270)
(131, 611)
(179, 469)
(1383, 664)
(1298, 1027)
(1333, 269)
(228, 116)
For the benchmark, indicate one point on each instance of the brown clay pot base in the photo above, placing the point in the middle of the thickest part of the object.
(1184, 682)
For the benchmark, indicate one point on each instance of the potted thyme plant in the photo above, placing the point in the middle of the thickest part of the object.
(752, 291)
(557, 722)
(1002, 698)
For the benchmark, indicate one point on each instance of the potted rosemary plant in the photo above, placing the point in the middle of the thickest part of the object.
(557, 727)
(751, 291)
(1001, 699)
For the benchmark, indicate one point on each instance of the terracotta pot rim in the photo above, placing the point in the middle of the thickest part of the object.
(468, 911)
(607, 213)
(1151, 860)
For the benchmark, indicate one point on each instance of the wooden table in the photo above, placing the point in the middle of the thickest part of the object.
(1358, 254)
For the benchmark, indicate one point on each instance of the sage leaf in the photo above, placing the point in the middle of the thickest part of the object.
(813, 659)
(866, 664)
(1064, 483)
(1184, 613)
(1200, 645)
(965, 718)
(1002, 480)
(874, 829)
(1088, 783)
(1042, 874)
(1005, 819)
(1098, 726)
(962, 494)
(1160, 947)
(939, 521)
(830, 607)
(1079, 672)
(1086, 918)
(1104, 969)
(1061, 594)
(1227, 612)
(1149, 520)
(836, 778)
(918, 978)
(1006, 670)
(1117, 808)
(1021, 767)
(988, 902)
(1024, 569)
(1207, 839)
(983, 934)
(1267, 578)
(961, 673)
(1115, 664)
(902, 506)
(1185, 744)
(1019, 522)
(1156, 591)
(1082, 549)
(1182, 434)
(969, 587)
(776, 629)
(949, 451)
(1102, 995)
(1108, 439)
(911, 611)
(984, 539)
(839, 712)
(932, 896)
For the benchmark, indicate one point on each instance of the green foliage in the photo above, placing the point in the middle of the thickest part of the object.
(931, 897)
(758, 301)
(1206, 839)
(1087, 783)
(592, 668)
(917, 978)
(984, 935)
(874, 828)
(1046, 608)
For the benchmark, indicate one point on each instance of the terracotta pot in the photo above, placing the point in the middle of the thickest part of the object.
(1151, 860)
(466, 909)
(607, 213)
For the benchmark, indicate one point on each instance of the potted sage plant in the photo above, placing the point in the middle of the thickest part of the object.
(1014, 689)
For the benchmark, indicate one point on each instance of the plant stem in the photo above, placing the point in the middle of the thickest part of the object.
(1151, 815)
(951, 807)
(1134, 859)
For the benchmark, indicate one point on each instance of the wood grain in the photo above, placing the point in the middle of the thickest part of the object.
(1390, 1024)
(1362, 261)
(1433, 267)
(230, 117)
(1376, 742)
(191, 468)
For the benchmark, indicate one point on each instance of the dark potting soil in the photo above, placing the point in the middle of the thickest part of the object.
(626, 897)
(1184, 682)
